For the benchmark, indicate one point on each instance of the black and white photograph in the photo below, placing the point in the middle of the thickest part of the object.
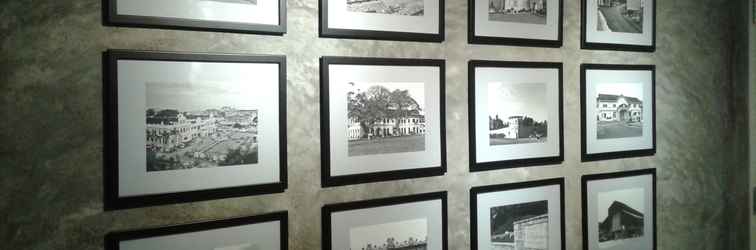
(516, 114)
(625, 25)
(533, 23)
(620, 214)
(620, 15)
(183, 127)
(383, 119)
(520, 226)
(518, 216)
(388, 7)
(394, 20)
(518, 11)
(619, 210)
(414, 222)
(198, 126)
(401, 235)
(264, 17)
(258, 232)
(618, 111)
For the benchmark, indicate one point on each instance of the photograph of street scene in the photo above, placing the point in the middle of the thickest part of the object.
(401, 235)
(620, 216)
(390, 7)
(517, 113)
(523, 226)
(253, 2)
(619, 110)
(620, 15)
(198, 126)
(385, 118)
(518, 11)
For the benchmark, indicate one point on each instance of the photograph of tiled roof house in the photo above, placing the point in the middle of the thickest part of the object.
(619, 111)
(622, 222)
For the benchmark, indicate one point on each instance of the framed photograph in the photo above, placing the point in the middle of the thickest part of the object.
(628, 25)
(382, 119)
(241, 16)
(191, 127)
(399, 20)
(416, 222)
(535, 23)
(619, 210)
(262, 232)
(527, 215)
(618, 111)
(516, 116)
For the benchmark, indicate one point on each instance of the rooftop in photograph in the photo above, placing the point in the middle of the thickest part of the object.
(614, 98)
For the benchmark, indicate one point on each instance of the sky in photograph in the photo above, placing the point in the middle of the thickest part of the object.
(416, 89)
(511, 99)
(186, 96)
(633, 197)
(359, 237)
(626, 89)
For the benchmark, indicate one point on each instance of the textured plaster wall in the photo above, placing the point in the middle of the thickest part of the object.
(51, 129)
(752, 117)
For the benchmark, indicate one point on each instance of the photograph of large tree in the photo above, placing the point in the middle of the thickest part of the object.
(385, 118)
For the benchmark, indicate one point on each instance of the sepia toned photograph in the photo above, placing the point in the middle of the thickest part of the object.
(620, 215)
(624, 16)
(401, 235)
(252, 2)
(389, 7)
(619, 110)
(198, 125)
(520, 226)
(385, 118)
(518, 11)
(517, 113)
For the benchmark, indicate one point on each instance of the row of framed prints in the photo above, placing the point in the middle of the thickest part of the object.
(618, 212)
(189, 127)
(606, 24)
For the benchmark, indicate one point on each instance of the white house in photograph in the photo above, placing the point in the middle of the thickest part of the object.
(167, 132)
(516, 5)
(618, 108)
(387, 127)
(511, 129)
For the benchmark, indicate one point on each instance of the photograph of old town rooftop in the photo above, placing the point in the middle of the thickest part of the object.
(391, 7)
(620, 216)
(385, 118)
(518, 11)
(185, 130)
(523, 226)
(401, 235)
(620, 15)
(619, 111)
(517, 113)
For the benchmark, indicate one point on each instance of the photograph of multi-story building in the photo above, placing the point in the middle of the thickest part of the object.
(385, 118)
(523, 226)
(400, 235)
(183, 132)
(621, 216)
(517, 113)
(518, 11)
(390, 7)
(620, 15)
(619, 110)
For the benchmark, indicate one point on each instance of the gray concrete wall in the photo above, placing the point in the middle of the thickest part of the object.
(51, 150)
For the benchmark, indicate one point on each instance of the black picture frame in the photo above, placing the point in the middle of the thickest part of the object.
(516, 163)
(604, 176)
(512, 41)
(584, 44)
(327, 180)
(113, 239)
(112, 200)
(328, 210)
(112, 18)
(475, 191)
(584, 155)
(325, 31)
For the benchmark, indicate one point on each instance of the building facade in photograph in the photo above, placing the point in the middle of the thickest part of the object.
(619, 108)
(165, 133)
(629, 4)
(532, 233)
(621, 222)
(516, 6)
(387, 127)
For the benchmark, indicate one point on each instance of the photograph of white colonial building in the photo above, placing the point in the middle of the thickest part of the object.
(386, 127)
(517, 113)
(619, 108)
(520, 11)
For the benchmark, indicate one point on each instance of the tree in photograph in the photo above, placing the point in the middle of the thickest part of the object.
(379, 103)
(403, 106)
